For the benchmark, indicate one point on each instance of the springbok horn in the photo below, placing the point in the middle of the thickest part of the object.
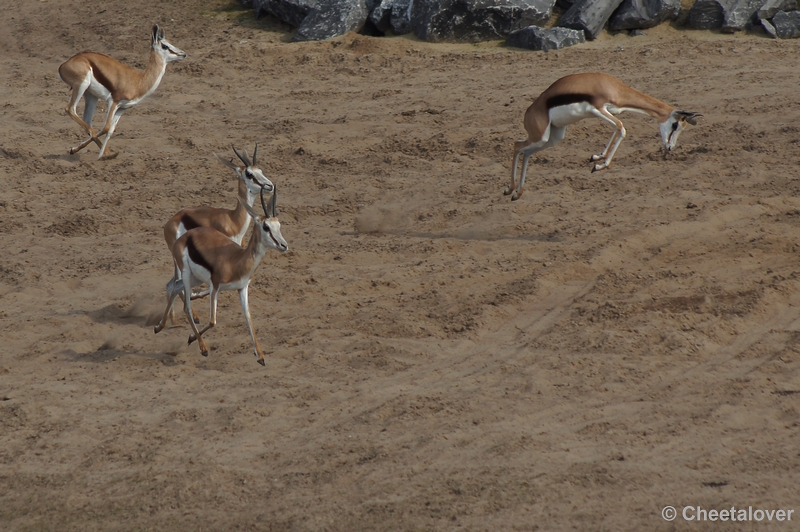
(690, 117)
(264, 203)
(245, 159)
(275, 202)
(255, 154)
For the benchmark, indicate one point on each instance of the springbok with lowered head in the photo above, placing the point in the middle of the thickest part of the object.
(594, 94)
(204, 255)
(95, 76)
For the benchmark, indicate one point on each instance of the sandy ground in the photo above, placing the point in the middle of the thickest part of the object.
(438, 357)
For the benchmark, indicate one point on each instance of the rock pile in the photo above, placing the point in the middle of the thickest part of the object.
(521, 21)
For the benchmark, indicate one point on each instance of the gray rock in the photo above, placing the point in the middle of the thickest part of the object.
(536, 38)
(330, 18)
(379, 14)
(394, 15)
(589, 15)
(741, 15)
(773, 7)
(564, 4)
(291, 12)
(708, 14)
(729, 15)
(643, 14)
(787, 25)
(769, 28)
(246, 3)
(400, 19)
(475, 20)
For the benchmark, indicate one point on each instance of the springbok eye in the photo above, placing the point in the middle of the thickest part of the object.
(249, 174)
(266, 227)
(674, 126)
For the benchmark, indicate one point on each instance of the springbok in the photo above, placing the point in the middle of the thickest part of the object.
(578, 96)
(97, 76)
(204, 255)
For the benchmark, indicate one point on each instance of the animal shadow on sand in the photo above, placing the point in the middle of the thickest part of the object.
(140, 313)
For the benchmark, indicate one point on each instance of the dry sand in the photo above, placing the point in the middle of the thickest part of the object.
(438, 357)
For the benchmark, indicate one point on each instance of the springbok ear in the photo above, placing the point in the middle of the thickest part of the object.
(227, 163)
(155, 33)
(161, 35)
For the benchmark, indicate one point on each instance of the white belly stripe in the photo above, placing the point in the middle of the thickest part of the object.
(564, 115)
(96, 88)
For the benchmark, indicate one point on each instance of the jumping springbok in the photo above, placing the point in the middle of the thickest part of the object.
(204, 255)
(98, 76)
(578, 96)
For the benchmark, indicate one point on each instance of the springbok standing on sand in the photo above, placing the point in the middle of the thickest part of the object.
(204, 255)
(232, 223)
(578, 96)
(98, 76)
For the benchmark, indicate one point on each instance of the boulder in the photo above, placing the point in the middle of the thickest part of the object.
(536, 38)
(769, 28)
(563, 5)
(707, 14)
(787, 25)
(291, 12)
(475, 20)
(729, 15)
(330, 18)
(589, 15)
(316, 20)
(394, 15)
(643, 14)
(741, 15)
(773, 7)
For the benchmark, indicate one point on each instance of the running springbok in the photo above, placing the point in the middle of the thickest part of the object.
(578, 96)
(204, 255)
(98, 76)
(232, 223)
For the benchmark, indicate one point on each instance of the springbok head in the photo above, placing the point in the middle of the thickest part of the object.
(248, 172)
(163, 48)
(269, 225)
(672, 127)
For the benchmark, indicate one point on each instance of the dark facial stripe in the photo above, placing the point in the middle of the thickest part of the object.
(99, 76)
(567, 99)
(188, 222)
(196, 257)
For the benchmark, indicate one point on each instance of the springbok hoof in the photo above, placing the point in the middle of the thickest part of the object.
(262, 362)
(157, 329)
(204, 353)
(598, 167)
(516, 195)
(191, 339)
(507, 191)
(112, 155)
